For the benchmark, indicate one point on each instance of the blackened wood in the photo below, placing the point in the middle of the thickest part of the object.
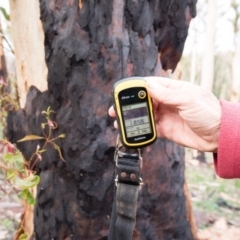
(89, 45)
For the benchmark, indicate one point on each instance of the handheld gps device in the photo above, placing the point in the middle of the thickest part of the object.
(133, 107)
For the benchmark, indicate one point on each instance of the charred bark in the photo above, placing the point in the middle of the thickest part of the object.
(88, 46)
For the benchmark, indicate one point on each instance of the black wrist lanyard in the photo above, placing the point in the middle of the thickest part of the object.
(127, 185)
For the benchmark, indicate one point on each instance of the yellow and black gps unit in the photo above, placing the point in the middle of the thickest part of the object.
(134, 112)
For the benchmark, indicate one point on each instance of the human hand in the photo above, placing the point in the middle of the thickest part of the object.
(184, 113)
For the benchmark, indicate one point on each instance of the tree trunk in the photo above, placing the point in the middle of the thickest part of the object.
(235, 86)
(28, 38)
(89, 45)
(207, 78)
(193, 64)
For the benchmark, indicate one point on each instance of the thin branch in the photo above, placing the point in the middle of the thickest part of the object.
(6, 48)
(3, 36)
(7, 193)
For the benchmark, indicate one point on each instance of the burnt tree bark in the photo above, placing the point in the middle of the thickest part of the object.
(90, 44)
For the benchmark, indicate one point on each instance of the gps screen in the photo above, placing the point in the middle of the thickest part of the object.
(136, 119)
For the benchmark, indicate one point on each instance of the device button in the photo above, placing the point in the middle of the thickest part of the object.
(142, 94)
(133, 133)
(144, 131)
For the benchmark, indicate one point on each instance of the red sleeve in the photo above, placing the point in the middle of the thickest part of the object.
(227, 159)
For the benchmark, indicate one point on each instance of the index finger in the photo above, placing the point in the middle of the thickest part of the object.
(111, 112)
(166, 82)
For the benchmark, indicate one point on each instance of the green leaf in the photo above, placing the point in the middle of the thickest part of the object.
(5, 14)
(62, 136)
(13, 158)
(27, 196)
(49, 111)
(30, 199)
(22, 194)
(11, 173)
(23, 236)
(58, 149)
(41, 151)
(15, 162)
(30, 137)
(29, 182)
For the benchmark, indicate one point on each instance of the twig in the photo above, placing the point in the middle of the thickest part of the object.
(34, 163)
(7, 193)
(7, 42)
(6, 48)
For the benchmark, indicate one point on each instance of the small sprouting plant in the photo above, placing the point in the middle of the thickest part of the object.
(19, 173)
(47, 137)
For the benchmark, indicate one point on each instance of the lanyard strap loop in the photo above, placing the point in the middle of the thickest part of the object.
(128, 182)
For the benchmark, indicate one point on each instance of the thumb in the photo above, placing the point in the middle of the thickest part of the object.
(165, 95)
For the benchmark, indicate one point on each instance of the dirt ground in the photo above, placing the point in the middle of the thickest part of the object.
(215, 201)
(220, 230)
(10, 214)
